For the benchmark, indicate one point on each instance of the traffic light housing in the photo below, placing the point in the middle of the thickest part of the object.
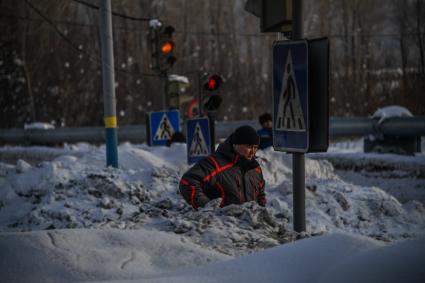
(162, 46)
(166, 48)
(211, 99)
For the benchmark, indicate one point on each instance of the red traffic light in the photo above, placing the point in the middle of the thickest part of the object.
(213, 82)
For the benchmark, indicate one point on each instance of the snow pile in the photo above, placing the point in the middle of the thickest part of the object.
(88, 254)
(331, 258)
(77, 191)
(120, 256)
(38, 126)
(387, 112)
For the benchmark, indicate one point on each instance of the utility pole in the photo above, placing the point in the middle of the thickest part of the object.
(108, 83)
(298, 158)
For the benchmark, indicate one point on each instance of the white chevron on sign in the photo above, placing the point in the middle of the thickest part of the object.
(165, 129)
(198, 147)
(290, 115)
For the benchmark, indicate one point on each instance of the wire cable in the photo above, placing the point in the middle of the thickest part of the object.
(200, 33)
(114, 13)
(74, 46)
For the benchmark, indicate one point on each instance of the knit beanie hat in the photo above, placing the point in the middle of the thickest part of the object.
(245, 135)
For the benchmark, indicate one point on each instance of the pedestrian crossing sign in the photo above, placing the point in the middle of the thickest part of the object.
(290, 96)
(162, 126)
(198, 139)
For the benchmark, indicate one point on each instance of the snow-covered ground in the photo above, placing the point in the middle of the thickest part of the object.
(85, 222)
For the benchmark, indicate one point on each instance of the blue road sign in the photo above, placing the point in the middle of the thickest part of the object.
(290, 96)
(162, 126)
(198, 139)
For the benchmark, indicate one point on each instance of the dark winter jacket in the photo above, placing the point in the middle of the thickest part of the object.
(266, 137)
(223, 174)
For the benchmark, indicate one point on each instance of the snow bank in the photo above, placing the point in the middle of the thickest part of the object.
(331, 258)
(77, 191)
(121, 256)
(76, 255)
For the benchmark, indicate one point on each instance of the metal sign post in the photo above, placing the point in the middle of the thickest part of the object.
(298, 159)
(291, 121)
(300, 104)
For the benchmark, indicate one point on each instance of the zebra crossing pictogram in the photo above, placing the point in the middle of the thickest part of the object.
(199, 146)
(165, 129)
(290, 115)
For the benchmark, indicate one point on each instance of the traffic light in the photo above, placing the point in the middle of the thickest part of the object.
(162, 46)
(211, 99)
(165, 52)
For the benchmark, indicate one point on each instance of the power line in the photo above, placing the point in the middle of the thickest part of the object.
(62, 35)
(22, 18)
(74, 46)
(67, 23)
(113, 13)
(200, 33)
(205, 33)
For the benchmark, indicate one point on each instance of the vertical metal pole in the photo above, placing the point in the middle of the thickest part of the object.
(200, 110)
(298, 159)
(297, 31)
(298, 181)
(108, 79)
(165, 102)
(211, 118)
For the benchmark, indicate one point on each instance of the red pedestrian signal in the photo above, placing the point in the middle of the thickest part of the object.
(211, 100)
(213, 83)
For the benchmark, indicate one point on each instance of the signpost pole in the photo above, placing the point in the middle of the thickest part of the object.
(298, 159)
(298, 180)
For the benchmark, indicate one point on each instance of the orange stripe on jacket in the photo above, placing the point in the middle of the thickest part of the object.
(222, 194)
(214, 161)
(220, 169)
(192, 195)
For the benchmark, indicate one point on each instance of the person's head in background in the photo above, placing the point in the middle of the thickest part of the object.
(266, 120)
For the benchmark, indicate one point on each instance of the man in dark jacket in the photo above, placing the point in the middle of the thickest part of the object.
(266, 132)
(231, 173)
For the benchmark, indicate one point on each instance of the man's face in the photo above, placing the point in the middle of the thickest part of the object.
(246, 150)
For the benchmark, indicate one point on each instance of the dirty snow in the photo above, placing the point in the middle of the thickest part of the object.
(71, 194)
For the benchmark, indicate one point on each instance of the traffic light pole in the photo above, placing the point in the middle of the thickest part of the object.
(211, 118)
(164, 88)
(200, 110)
(108, 79)
(298, 159)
